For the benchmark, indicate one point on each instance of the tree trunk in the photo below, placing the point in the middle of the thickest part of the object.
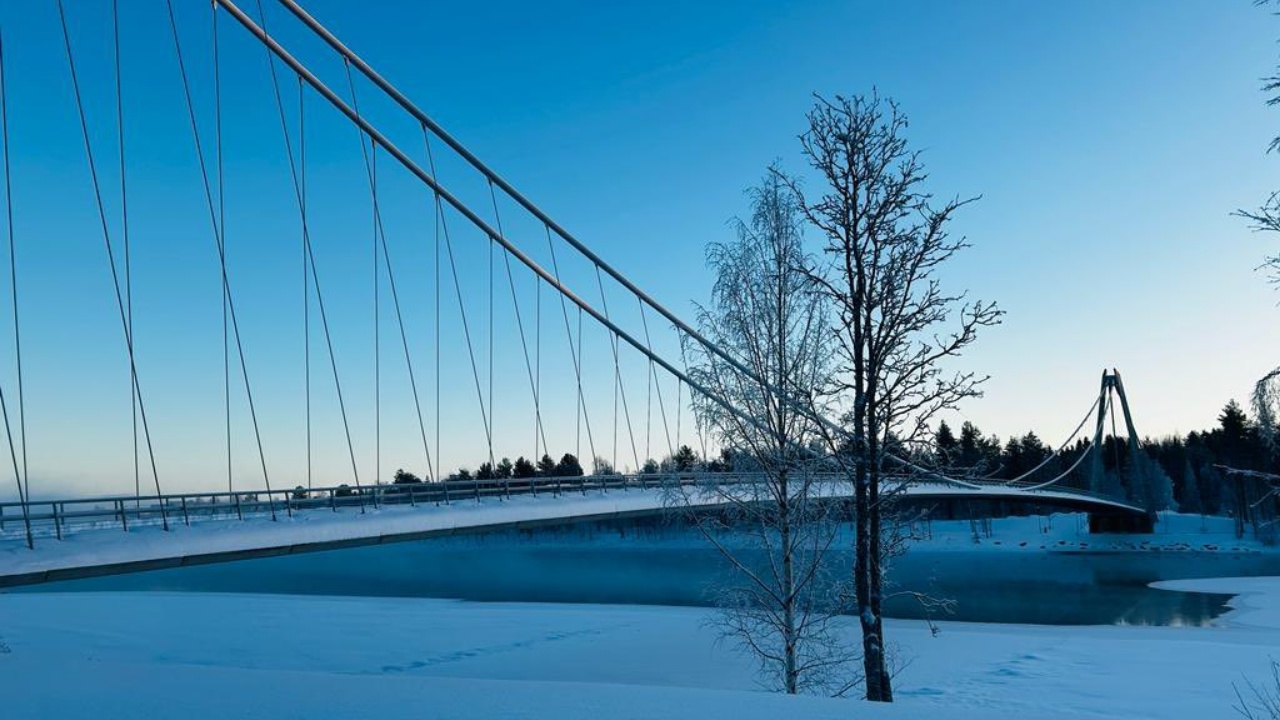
(875, 572)
(790, 666)
(877, 681)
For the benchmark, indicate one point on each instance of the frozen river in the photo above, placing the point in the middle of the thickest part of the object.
(648, 566)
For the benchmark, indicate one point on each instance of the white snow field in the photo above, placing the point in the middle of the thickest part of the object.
(195, 656)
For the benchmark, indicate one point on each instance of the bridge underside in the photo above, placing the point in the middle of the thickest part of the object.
(1101, 519)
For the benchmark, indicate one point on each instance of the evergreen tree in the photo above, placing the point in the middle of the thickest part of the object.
(568, 466)
(946, 447)
(523, 469)
(504, 469)
(1233, 421)
(1013, 461)
(405, 478)
(685, 460)
(970, 445)
(546, 466)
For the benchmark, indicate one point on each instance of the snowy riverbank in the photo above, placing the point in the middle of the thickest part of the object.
(195, 655)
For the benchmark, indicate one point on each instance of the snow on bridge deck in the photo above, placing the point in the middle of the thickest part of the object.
(109, 551)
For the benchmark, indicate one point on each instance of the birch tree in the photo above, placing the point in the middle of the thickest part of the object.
(776, 528)
(884, 241)
(1266, 392)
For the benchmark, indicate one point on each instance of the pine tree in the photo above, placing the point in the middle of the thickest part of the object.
(504, 469)
(547, 466)
(568, 466)
(685, 459)
(523, 469)
(946, 447)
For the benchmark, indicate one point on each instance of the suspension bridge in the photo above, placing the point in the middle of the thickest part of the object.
(507, 335)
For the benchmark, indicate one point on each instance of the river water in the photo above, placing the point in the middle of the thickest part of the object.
(1056, 588)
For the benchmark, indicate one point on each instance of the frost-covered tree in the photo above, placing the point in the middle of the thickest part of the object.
(1266, 219)
(885, 239)
(779, 527)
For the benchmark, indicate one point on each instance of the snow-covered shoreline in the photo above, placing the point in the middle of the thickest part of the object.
(195, 655)
(1255, 601)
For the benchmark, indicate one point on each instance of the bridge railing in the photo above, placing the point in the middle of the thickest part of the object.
(55, 518)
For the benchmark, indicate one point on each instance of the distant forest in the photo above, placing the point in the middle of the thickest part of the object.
(1188, 466)
(1189, 469)
(1192, 464)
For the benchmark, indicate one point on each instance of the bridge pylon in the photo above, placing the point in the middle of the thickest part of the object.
(1141, 487)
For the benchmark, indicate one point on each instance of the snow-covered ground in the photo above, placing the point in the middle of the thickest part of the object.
(193, 656)
(1069, 532)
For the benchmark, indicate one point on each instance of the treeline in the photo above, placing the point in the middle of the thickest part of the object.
(1186, 472)
(684, 460)
(1190, 466)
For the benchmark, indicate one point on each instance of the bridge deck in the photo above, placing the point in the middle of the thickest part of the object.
(107, 551)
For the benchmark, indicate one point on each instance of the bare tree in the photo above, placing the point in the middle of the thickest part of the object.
(1266, 406)
(1266, 393)
(1263, 701)
(775, 527)
(885, 239)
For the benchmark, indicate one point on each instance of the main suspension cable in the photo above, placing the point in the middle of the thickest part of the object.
(1040, 486)
(445, 196)
(1061, 447)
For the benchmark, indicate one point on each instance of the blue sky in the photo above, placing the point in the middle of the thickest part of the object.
(1109, 141)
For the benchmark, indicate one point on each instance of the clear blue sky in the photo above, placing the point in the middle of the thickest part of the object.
(1110, 142)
